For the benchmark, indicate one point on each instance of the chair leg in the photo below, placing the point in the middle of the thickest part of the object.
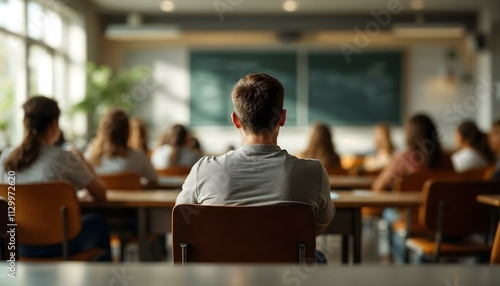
(302, 253)
(184, 253)
(64, 213)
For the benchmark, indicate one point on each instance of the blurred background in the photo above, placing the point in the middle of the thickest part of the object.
(350, 64)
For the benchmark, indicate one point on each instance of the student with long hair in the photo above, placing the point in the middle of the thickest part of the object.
(109, 152)
(474, 151)
(174, 151)
(38, 160)
(494, 141)
(138, 138)
(384, 149)
(321, 147)
(423, 151)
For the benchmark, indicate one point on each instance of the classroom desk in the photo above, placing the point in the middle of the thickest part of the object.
(347, 220)
(336, 182)
(351, 182)
(156, 274)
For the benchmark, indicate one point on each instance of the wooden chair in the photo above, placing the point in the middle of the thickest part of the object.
(475, 174)
(5, 252)
(122, 181)
(174, 171)
(48, 214)
(490, 170)
(450, 209)
(495, 251)
(339, 171)
(250, 234)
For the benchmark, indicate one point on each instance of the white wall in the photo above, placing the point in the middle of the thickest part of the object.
(428, 91)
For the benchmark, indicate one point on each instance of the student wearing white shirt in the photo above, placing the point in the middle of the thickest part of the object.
(109, 152)
(473, 147)
(39, 160)
(174, 150)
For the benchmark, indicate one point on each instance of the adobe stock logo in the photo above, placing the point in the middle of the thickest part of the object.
(363, 38)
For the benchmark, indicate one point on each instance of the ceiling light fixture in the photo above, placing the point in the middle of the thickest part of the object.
(290, 5)
(167, 6)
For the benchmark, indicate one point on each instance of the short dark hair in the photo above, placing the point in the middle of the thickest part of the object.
(258, 102)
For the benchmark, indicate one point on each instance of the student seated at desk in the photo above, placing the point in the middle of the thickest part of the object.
(424, 151)
(174, 150)
(474, 151)
(259, 172)
(39, 160)
(109, 153)
(321, 147)
(383, 150)
(494, 141)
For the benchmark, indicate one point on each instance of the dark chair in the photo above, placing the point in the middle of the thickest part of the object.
(250, 234)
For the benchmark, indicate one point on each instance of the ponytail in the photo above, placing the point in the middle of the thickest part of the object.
(24, 155)
(39, 113)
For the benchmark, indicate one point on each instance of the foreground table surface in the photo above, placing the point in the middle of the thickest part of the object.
(151, 274)
(492, 200)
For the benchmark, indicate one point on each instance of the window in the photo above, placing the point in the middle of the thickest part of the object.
(42, 52)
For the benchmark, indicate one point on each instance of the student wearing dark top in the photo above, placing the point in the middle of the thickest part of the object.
(494, 140)
(39, 160)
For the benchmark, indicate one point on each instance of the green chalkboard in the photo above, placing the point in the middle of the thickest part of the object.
(214, 74)
(365, 91)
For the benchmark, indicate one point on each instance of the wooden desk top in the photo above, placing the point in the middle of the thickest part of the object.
(351, 182)
(492, 200)
(153, 274)
(166, 199)
(366, 198)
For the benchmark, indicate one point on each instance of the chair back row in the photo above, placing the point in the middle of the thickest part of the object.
(461, 214)
(251, 234)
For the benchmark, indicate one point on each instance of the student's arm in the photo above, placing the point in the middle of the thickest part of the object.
(81, 174)
(148, 172)
(326, 209)
(389, 174)
(189, 193)
(97, 189)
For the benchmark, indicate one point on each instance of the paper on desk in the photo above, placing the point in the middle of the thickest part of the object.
(363, 193)
(334, 195)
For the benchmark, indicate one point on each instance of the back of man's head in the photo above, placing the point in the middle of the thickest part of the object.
(258, 102)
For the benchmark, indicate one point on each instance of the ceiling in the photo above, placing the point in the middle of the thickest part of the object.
(274, 6)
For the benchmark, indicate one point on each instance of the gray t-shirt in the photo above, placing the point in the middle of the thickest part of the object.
(134, 162)
(52, 164)
(259, 175)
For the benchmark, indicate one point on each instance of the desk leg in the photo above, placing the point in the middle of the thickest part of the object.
(406, 257)
(357, 236)
(142, 220)
(345, 249)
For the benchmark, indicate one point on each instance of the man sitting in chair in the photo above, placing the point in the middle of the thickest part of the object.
(259, 172)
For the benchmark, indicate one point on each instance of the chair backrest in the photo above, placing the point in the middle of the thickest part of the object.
(462, 214)
(488, 174)
(249, 234)
(337, 171)
(477, 173)
(173, 171)
(38, 212)
(122, 181)
(495, 251)
(415, 181)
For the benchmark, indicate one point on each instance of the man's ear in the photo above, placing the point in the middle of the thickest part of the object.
(236, 120)
(282, 118)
